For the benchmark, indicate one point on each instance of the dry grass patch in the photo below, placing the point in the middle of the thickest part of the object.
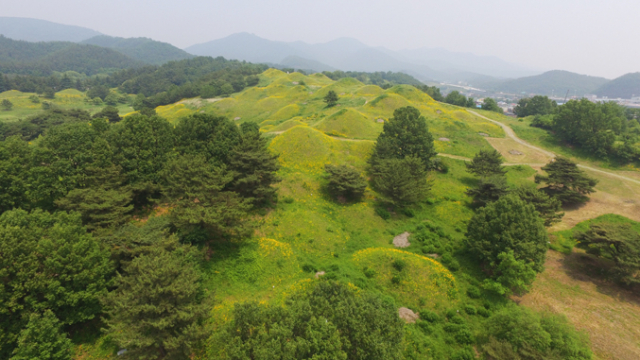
(608, 314)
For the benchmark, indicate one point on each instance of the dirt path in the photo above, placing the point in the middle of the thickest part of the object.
(510, 133)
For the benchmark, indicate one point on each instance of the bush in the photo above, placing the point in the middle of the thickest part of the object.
(429, 316)
(484, 312)
(399, 264)
(345, 182)
(383, 213)
(470, 309)
(473, 292)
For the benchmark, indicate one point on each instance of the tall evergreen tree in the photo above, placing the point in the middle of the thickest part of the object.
(510, 231)
(490, 189)
(158, 310)
(400, 181)
(566, 181)
(547, 206)
(254, 167)
(486, 163)
(206, 135)
(43, 339)
(197, 190)
(406, 134)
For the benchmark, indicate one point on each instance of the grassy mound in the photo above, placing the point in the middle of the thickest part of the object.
(305, 149)
(350, 124)
(174, 112)
(415, 281)
(284, 126)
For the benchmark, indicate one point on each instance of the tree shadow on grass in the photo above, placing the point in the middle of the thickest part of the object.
(584, 267)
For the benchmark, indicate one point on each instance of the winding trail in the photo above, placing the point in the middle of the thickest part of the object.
(510, 133)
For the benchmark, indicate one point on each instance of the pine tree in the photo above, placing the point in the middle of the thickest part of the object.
(406, 134)
(489, 190)
(197, 190)
(157, 310)
(547, 206)
(400, 181)
(43, 339)
(486, 163)
(512, 227)
(331, 98)
(254, 167)
(566, 182)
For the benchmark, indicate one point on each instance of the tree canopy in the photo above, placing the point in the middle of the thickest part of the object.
(566, 181)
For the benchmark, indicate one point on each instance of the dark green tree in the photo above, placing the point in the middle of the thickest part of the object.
(43, 339)
(491, 105)
(345, 182)
(196, 188)
(98, 91)
(110, 113)
(49, 93)
(490, 189)
(406, 134)
(589, 125)
(206, 135)
(141, 146)
(14, 173)
(330, 322)
(331, 98)
(103, 202)
(158, 308)
(566, 182)
(400, 181)
(254, 167)
(48, 261)
(65, 82)
(516, 332)
(7, 105)
(617, 242)
(549, 208)
(537, 105)
(456, 98)
(508, 225)
(486, 163)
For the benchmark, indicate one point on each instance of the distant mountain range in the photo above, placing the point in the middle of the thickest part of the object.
(48, 46)
(41, 30)
(351, 55)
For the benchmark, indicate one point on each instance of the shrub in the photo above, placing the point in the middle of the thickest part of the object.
(383, 213)
(429, 316)
(345, 182)
(470, 309)
(473, 292)
(399, 264)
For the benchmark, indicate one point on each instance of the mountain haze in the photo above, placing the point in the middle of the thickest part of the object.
(349, 54)
(41, 30)
(143, 49)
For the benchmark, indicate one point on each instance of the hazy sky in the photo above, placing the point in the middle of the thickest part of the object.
(593, 37)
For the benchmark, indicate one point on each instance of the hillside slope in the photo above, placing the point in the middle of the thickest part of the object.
(625, 87)
(22, 57)
(41, 30)
(555, 82)
(142, 49)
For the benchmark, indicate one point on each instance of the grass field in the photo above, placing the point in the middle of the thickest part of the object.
(23, 106)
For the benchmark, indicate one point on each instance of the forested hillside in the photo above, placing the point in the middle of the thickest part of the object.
(142, 49)
(552, 82)
(26, 58)
(624, 87)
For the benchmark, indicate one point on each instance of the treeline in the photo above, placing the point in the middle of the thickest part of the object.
(380, 78)
(67, 202)
(602, 129)
(203, 76)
